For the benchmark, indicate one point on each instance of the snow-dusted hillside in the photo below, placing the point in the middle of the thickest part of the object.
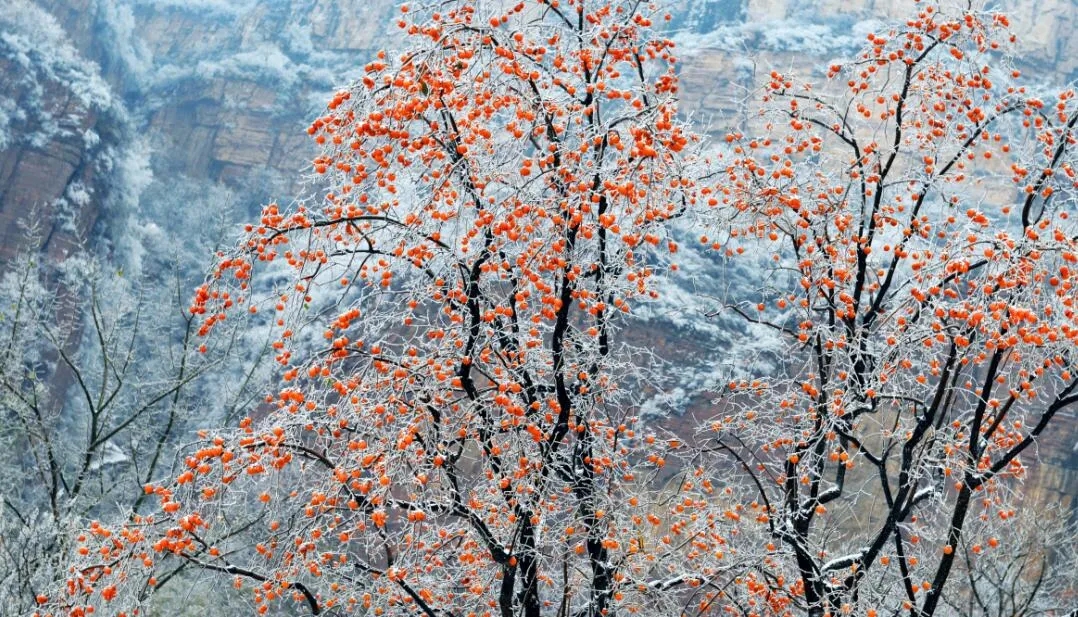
(68, 151)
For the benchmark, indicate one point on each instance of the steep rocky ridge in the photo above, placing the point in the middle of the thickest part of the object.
(64, 136)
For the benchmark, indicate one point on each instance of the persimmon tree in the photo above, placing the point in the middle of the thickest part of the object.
(918, 208)
(454, 432)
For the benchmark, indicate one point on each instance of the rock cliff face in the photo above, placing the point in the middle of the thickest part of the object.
(61, 133)
(93, 93)
(212, 96)
(222, 89)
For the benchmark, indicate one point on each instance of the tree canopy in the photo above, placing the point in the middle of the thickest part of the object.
(457, 428)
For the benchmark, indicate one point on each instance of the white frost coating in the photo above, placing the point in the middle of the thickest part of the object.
(667, 583)
(675, 401)
(789, 35)
(128, 46)
(90, 138)
(924, 493)
(129, 175)
(33, 38)
(33, 41)
(265, 63)
(837, 562)
(226, 8)
(112, 454)
(8, 113)
(79, 194)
